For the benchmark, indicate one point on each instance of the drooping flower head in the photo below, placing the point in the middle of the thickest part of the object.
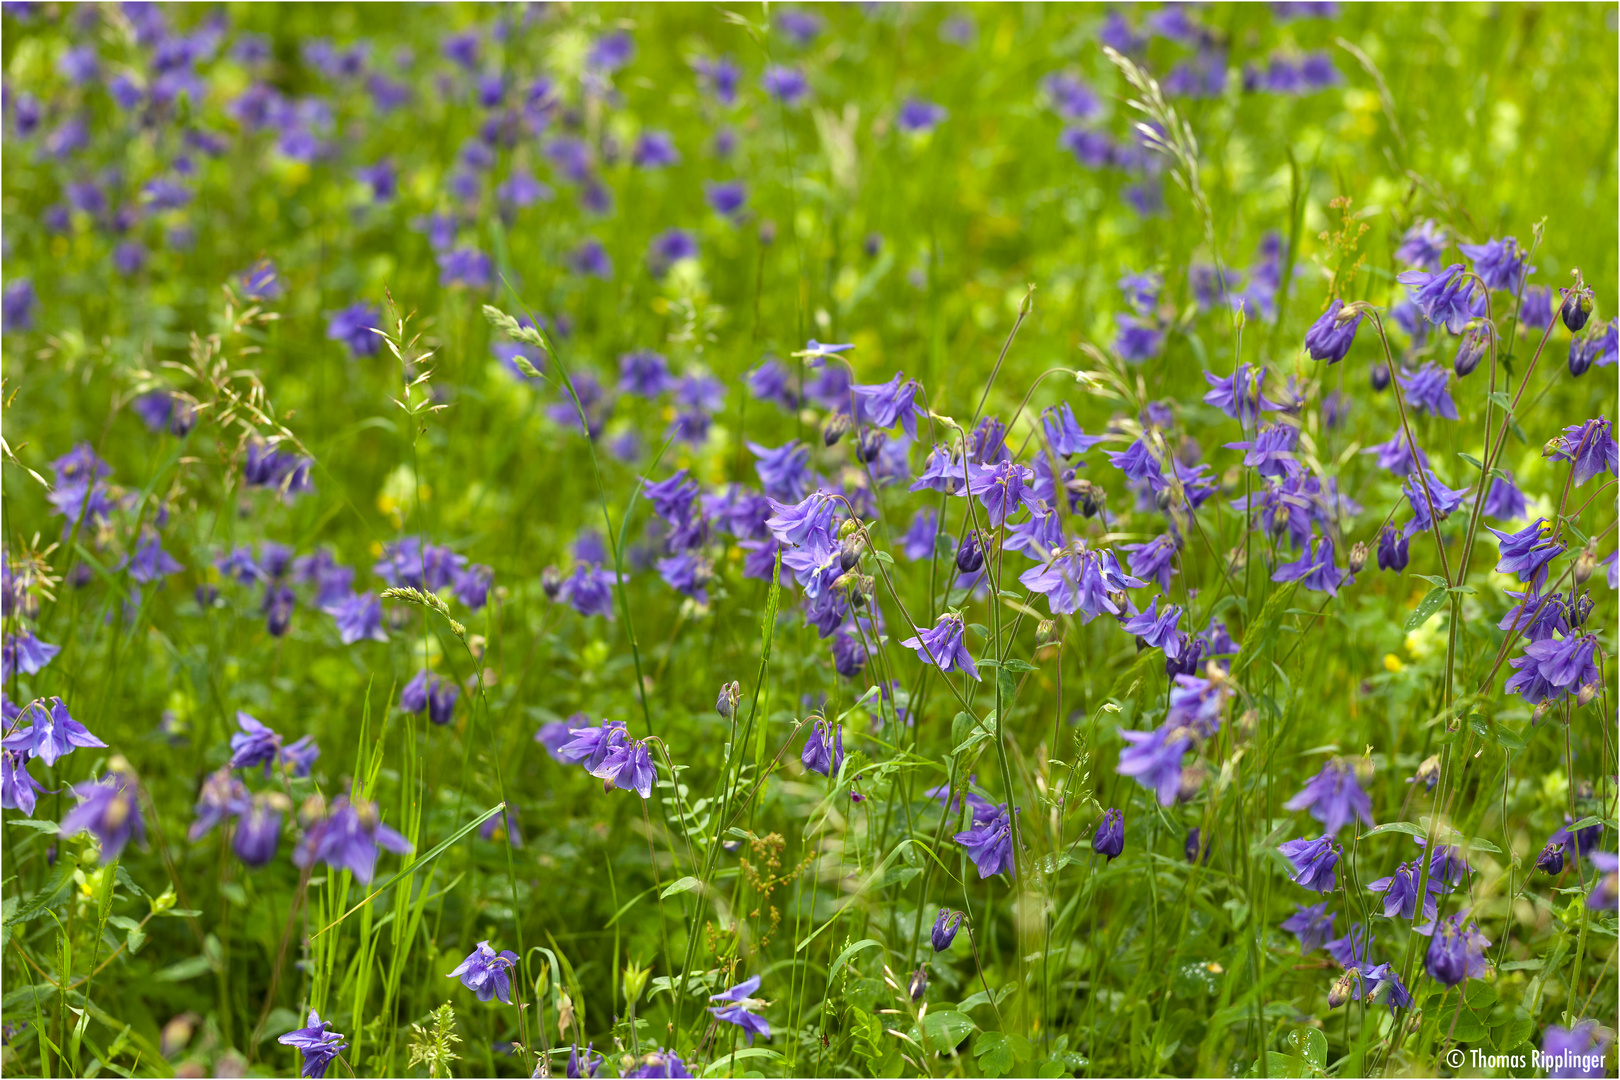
(824, 749)
(109, 809)
(1310, 924)
(990, 842)
(347, 838)
(1109, 839)
(945, 926)
(943, 646)
(487, 973)
(1456, 951)
(1313, 861)
(1334, 797)
(319, 1046)
(735, 1007)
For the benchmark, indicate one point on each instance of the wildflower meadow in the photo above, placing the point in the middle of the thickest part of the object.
(886, 539)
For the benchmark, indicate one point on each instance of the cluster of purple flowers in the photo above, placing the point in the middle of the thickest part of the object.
(608, 753)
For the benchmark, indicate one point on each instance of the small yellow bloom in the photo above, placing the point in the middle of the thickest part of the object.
(1392, 663)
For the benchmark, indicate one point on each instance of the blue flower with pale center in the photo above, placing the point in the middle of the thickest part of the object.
(784, 471)
(735, 1007)
(255, 744)
(1156, 630)
(786, 84)
(1001, 489)
(487, 973)
(109, 810)
(1240, 395)
(222, 796)
(1426, 390)
(348, 838)
(824, 749)
(1154, 560)
(918, 117)
(355, 327)
(22, 651)
(1429, 502)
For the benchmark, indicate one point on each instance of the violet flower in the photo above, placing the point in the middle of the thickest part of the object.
(485, 973)
(943, 646)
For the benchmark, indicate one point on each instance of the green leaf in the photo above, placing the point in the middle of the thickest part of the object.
(1146, 661)
(1437, 582)
(844, 957)
(882, 556)
(53, 892)
(721, 1065)
(185, 969)
(1500, 398)
(1311, 1046)
(34, 823)
(685, 884)
(1426, 608)
(1584, 823)
(945, 1031)
(1471, 459)
(1511, 1034)
(1395, 826)
(1018, 665)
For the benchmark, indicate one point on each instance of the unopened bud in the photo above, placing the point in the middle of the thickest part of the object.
(848, 527)
(1586, 694)
(919, 984)
(1358, 556)
(1192, 778)
(1540, 713)
(1344, 987)
(849, 552)
(1045, 633)
(1555, 447)
(1091, 501)
(836, 427)
(551, 582)
(1586, 563)
(870, 444)
(1380, 378)
(1576, 309)
(970, 556)
(726, 704)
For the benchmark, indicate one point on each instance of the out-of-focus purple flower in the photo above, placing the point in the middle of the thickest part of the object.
(348, 838)
(258, 830)
(18, 788)
(918, 116)
(670, 247)
(254, 744)
(1504, 500)
(783, 470)
(1429, 500)
(610, 52)
(1579, 1051)
(109, 810)
(1499, 263)
(1426, 389)
(17, 304)
(128, 257)
(359, 618)
(1241, 395)
(355, 326)
(654, 150)
(786, 84)
(726, 198)
(1311, 924)
(1314, 569)
(589, 590)
(1329, 337)
(487, 973)
(1153, 759)
(223, 796)
(24, 652)
(1137, 340)
(467, 267)
(721, 77)
(1334, 797)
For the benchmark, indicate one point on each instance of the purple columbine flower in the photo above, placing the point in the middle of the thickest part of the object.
(1605, 895)
(1401, 894)
(918, 542)
(255, 744)
(1442, 296)
(726, 198)
(1575, 1052)
(52, 733)
(1156, 630)
(485, 973)
(786, 84)
(1138, 339)
(1504, 500)
(1528, 552)
(1154, 560)
(108, 809)
(354, 326)
(784, 471)
(1064, 436)
(824, 749)
(1499, 263)
(318, 1046)
(1079, 579)
(589, 590)
(1590, 448)
(348, 839)
(1393, 553)
(1241, 395)
(18, 788)
(890, 404)
(1422, 246)
(359, 618)
(654, 150)
(735, 1010)
(918, 116)
(258, 830)
(659, 1064)
(1314, 569)
(990, 843)
(1001, 489)
(943, 646)
(1426, 390)
(1395, 455)
(223, 796)
(1154, 758)
(627, 766)
(22, 651)
(946, 923)
(1384, 986)
(1109, 839)
(17, 304)
(941, 472)
(849, 655)
(1457, 951)
(1329, 338)
(151, 563)
(1313, 861)
(1334, 797)
(590, 746)
(1310, 924)
(1441, 499)
(583, 1066)
(645, 373)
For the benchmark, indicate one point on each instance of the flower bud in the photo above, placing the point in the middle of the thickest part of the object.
(726, 704)
(1358, 556)
(1380, 378)
(970, 556)
(767, 232)
(1470, 350)
(848, 527)
(869, 444)
(1586, 563)
(551, 582)
(1554, 447)
(1092, 499)
(919, 984)
(1541, 712)
(1343, 988)
(1045, 633)
(836, 427)
(1586, 694)
(849, 552)
(1192, 778)
(1551, 859)
(1576, 309)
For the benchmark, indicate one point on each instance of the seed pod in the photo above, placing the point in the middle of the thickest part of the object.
(1358, 556)
(1586, 694)
(1343, 988)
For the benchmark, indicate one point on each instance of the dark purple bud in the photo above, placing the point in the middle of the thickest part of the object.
(919, 984)
(1380, 378)
(946, 925)
(970, 556)
(1576, 309)
(1109, 839)
(869, 444)
(836, 427)
(1551, 860)
(551, 582)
